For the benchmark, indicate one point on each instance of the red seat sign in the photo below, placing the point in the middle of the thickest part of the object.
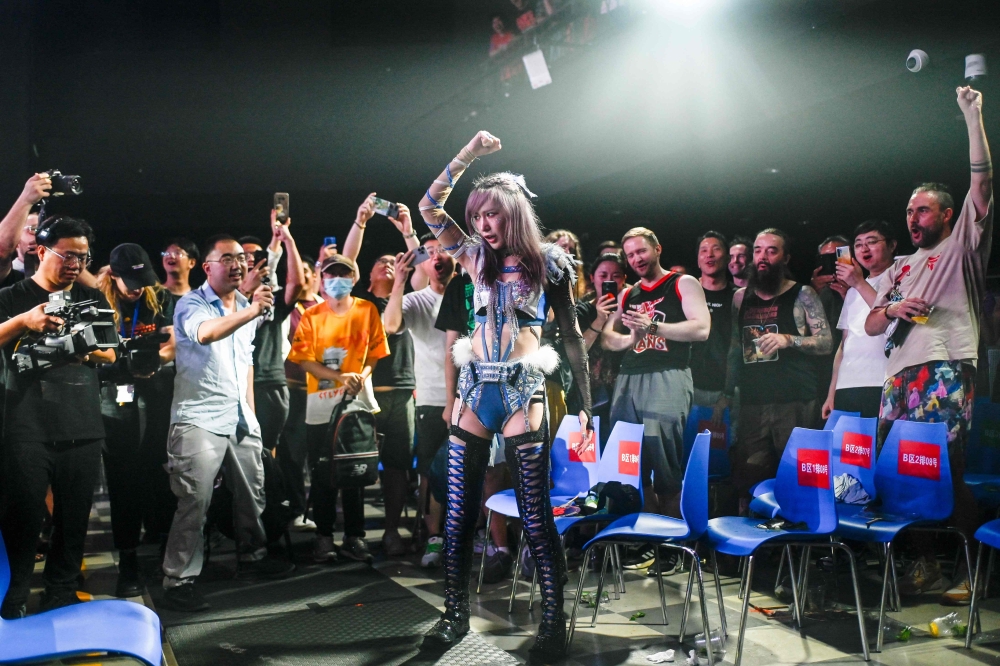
(814, 468)
(718, 441)
(920, 459)
(856, 449)
(580, 451)
(628, 458)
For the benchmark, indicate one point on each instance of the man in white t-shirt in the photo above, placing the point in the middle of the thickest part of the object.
(417, 312)
(933, 297)
(859, 364)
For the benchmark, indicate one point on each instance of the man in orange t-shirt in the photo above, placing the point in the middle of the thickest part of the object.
(338, 342)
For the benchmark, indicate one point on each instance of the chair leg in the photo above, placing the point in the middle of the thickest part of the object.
(804, 591)
(531, 594)
(857, 600)
(620, 569)
(687, 604)
(517, 572)
(486, 547)
(885, 590)
(897, 601)
(718, 596)
(579, 594)
(743, 576)
(781, 568)
(743, 616)
(614, 569)
(968, 569)
(659, 583)
(705, 624)
(600, 586)
(989, 574)
(972, 606)
(796, 604)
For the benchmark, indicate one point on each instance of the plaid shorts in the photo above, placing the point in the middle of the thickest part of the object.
(935, 392)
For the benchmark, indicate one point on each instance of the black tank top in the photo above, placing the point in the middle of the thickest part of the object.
(786, 375)
(662, 303)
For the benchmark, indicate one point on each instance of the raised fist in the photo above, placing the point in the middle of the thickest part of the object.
(484, 143)
(969, 100)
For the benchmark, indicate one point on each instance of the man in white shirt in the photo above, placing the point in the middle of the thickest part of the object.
(931, 300)
(417, 312)
(859, 364)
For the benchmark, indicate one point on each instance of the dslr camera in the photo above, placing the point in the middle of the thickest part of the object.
(142, 354)
(62, 185)
(86, 328)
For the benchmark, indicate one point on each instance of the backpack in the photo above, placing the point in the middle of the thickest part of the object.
(355, 444)
(277, 513)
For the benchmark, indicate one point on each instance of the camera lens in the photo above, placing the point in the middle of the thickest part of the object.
(74, 184)
(911, 63)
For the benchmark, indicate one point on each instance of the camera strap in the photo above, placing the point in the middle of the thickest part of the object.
(135, 321)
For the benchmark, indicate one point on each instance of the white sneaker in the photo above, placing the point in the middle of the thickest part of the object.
(324, 551)
(303, 524)
(432, 555)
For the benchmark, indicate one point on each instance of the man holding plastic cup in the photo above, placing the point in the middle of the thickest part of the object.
(930, 375)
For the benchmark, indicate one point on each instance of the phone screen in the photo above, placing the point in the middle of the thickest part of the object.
(281, 206)
(609, 287)
(386, 208)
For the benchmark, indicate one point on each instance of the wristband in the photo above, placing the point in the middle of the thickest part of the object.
(591, 328)
(412, 234)
(359, 226)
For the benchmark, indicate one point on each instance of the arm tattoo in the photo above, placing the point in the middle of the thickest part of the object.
(985, 166)
(808, 310)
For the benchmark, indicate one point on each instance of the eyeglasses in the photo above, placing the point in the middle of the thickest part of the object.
(389, 261)
(870, 244)
(170, 254)
(71, 259)
(228, 260)
(31, 228)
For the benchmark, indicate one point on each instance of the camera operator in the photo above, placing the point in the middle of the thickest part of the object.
(17, 230)
(135, 402)
(213, 422)
(53, 430)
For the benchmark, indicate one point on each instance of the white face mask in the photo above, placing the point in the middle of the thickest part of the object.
(338, 287)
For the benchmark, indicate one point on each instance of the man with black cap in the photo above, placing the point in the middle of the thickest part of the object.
(53, 429)
(135, 403)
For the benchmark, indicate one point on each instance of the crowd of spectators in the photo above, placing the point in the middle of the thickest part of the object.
(253, 362)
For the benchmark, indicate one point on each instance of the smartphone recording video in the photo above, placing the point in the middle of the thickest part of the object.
(387, 208)
(827, 264)
(281, 207)
(609, 287)
(419, 255)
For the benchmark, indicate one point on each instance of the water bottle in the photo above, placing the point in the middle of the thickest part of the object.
(718, 643)
(948, 626)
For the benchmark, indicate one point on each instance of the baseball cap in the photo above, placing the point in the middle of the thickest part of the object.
(340, 260)
(131, 263)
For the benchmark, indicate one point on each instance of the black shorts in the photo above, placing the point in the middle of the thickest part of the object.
(395, 422)
(432, 432)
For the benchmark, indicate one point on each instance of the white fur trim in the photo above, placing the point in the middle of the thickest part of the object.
(545, 359)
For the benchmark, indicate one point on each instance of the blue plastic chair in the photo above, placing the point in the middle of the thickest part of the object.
(853, 453)
(913, 481)
(986, 535)
(767, 485)
(570, 476)
(118, 627)
(699, 420)
(804, 491)
(664, 531)
(982, 453)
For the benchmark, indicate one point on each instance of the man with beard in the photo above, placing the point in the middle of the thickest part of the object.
(931, 371)
(179, 259)
(393, 379)
(739, 260)
(708, 359)
(779, 326)
(213, 422)
(417, 312)
(658, 320)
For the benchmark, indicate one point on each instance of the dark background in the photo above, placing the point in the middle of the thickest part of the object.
(184, 117)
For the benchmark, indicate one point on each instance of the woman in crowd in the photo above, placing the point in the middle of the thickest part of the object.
(569, 242)
(517, 278)
(135, 404)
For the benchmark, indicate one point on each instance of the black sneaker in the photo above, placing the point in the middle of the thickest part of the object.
(129, 581)
(497, 566)
(266, 567)
(355, 548)
(668, 563)
(52, 600)
(637, 557)
(184, 598)
(12, 612)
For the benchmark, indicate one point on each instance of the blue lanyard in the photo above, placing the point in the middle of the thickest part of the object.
(135, 319)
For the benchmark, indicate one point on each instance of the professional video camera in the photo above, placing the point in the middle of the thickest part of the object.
(142, 354)
(86, 328)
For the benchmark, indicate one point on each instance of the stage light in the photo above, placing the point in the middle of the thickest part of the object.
(917, 60)
(685, 12)
(975, 67)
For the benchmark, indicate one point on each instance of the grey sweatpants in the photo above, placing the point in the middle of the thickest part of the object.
(661, 402)
(194, 458)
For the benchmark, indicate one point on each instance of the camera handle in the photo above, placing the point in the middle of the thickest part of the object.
(268, 313)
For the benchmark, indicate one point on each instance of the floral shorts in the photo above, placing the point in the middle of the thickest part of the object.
(935, 392)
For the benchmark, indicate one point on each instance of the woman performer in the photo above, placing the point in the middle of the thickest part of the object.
(501, 383)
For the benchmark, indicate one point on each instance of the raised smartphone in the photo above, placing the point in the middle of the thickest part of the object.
(281, 206)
